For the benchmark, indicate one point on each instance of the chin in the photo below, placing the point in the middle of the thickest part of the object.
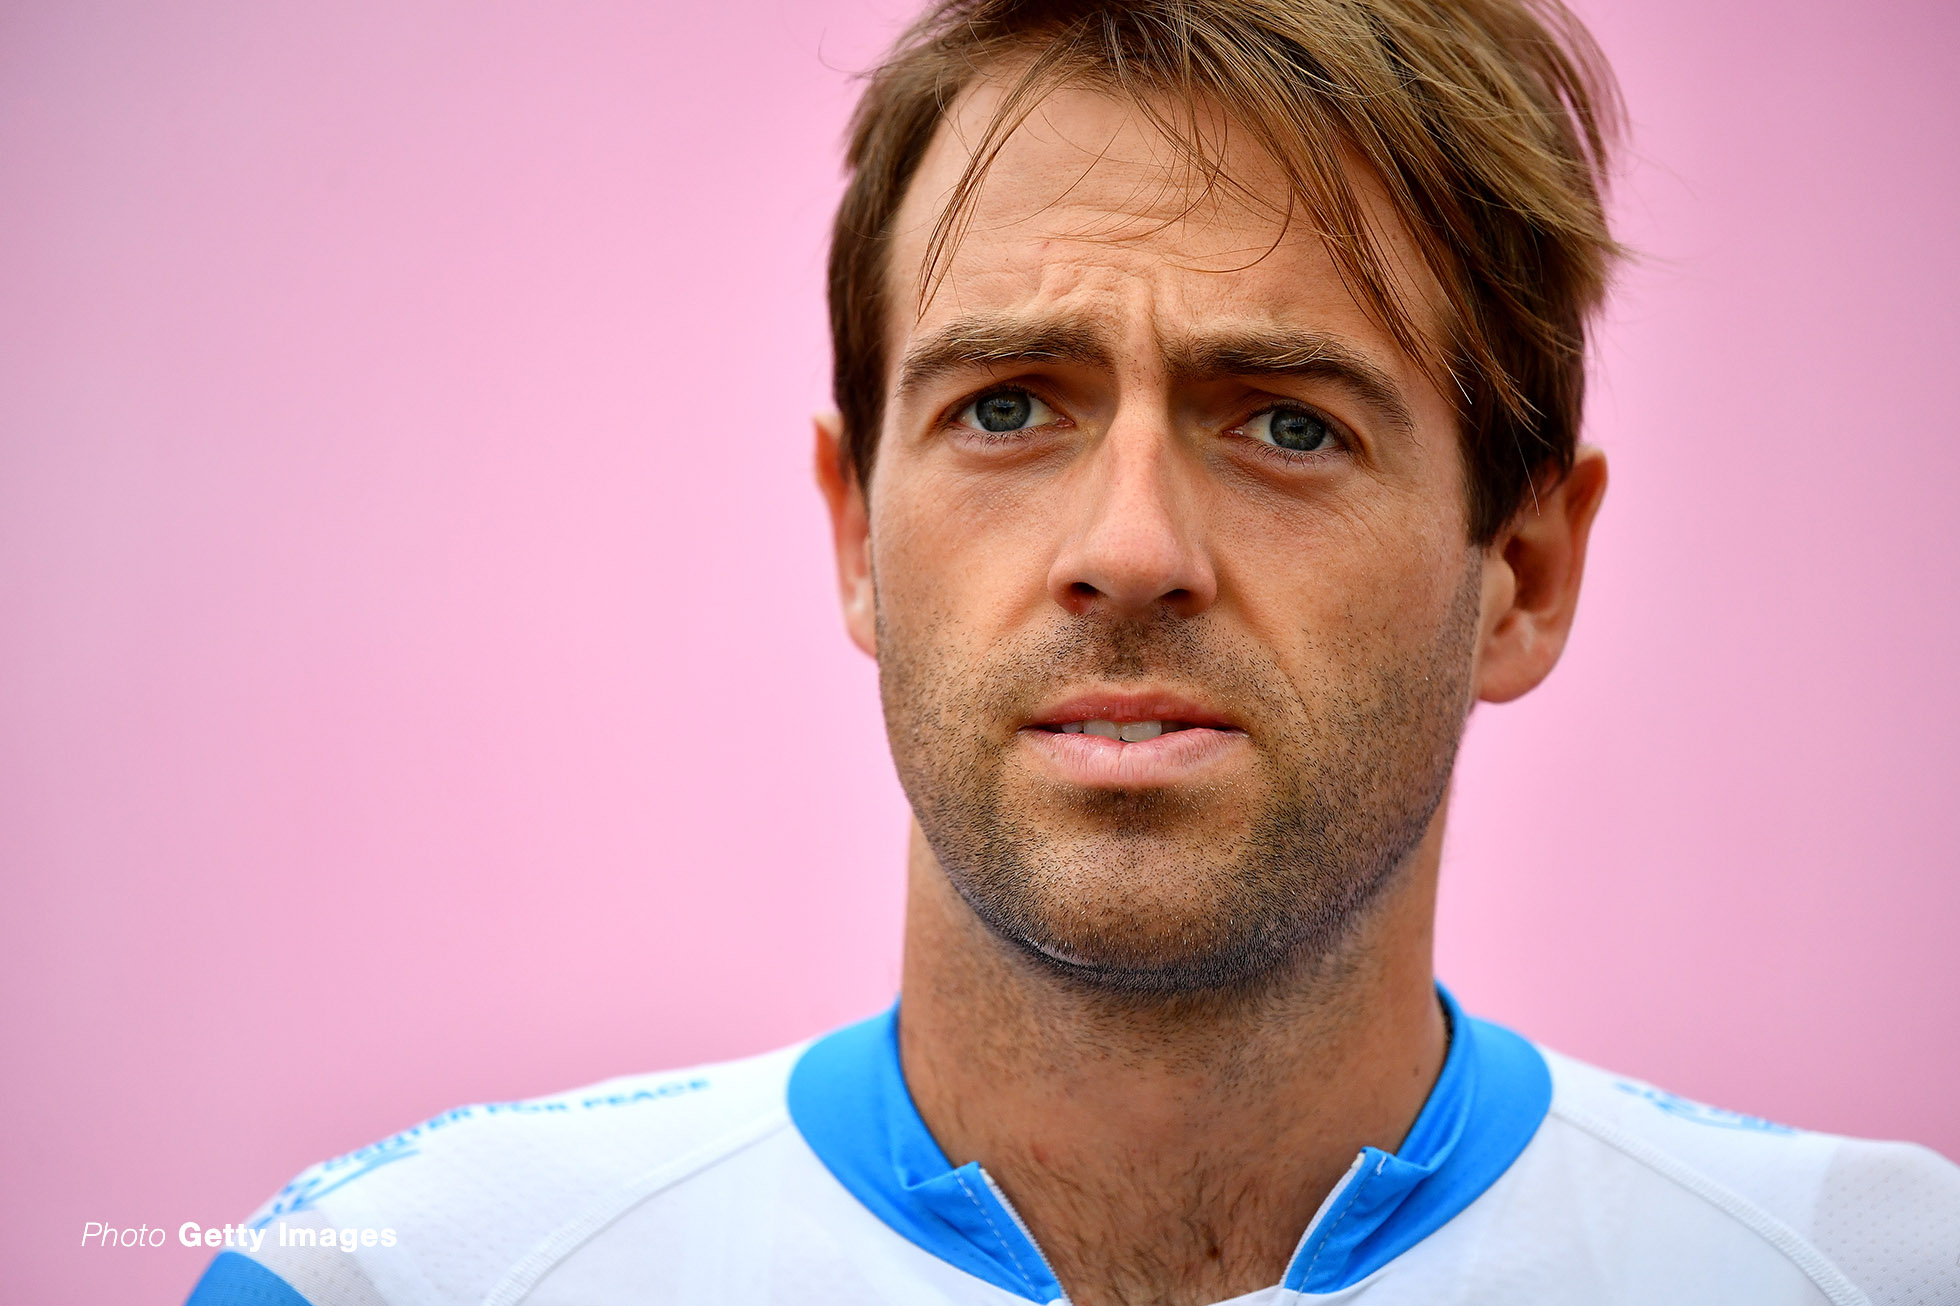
(1159, 925)
(1161, 968)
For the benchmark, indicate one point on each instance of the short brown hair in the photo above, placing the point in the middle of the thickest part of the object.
(1487, 122)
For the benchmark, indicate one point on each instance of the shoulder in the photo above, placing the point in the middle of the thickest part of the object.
(448, 1208)
(1861, 1220)
(551, 1147)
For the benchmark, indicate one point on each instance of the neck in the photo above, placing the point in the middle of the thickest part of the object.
(1168, 1151)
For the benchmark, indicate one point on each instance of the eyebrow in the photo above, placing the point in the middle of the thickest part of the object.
(1290, 352)
(991, 341)
(988, 341)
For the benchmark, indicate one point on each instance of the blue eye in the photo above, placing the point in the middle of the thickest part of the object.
(1002, 412)
(1297, 430)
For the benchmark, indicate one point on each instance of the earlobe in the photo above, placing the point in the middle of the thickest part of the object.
(850, 530)
(1532, 576)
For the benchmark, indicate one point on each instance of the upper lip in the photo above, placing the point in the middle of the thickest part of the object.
(1140, 704)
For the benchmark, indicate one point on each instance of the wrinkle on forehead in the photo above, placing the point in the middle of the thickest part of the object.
(1144, 185)
(1088, 169)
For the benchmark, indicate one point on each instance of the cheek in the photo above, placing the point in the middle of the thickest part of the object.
(1341, 593)
(957, 547)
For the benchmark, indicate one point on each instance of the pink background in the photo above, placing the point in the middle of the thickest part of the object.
(419, 674)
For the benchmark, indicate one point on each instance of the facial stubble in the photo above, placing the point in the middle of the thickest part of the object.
(1189, 890)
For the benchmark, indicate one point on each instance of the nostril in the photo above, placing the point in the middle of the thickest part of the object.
(1182, 602)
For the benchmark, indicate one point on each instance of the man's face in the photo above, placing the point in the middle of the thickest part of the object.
(1146, 462)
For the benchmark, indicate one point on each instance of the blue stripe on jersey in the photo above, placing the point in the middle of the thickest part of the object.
(847, 1097)
(237, 1280)
(1490, 1098)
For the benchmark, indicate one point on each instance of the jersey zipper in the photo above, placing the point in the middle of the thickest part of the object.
(1326, 1205)
(1027, 1233)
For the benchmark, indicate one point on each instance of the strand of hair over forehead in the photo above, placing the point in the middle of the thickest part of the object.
(1409, 86)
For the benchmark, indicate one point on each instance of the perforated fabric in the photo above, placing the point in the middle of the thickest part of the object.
(338, 1278)
(1888, 1215)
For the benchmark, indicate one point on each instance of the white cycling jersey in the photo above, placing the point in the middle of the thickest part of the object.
(805, 1176)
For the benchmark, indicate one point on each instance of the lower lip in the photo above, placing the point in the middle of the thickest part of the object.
(1171, 757)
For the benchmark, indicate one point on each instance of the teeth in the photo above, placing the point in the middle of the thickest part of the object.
(1130, 732)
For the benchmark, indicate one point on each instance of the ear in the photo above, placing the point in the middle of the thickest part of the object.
(1531, 581)
(850, 530)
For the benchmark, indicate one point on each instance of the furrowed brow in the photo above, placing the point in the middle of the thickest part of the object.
(968, 343)
(1293, 353)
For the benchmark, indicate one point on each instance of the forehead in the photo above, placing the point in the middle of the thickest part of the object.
(1090, 212)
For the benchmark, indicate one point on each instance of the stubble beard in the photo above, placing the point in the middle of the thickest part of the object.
(1195, 890)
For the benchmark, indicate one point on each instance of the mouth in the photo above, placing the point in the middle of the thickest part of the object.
(1103, 753)
(1131, 739)
(1129, 732)
(1130, 716)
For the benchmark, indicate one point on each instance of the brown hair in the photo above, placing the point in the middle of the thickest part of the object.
(1486, 122)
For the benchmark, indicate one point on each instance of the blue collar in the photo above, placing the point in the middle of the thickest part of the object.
(848, 1098)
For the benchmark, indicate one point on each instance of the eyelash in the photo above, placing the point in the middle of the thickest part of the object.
(1337, 432)
(952, 422)
(1272, 452)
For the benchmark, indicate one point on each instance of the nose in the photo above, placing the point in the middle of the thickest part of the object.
(1137, 543)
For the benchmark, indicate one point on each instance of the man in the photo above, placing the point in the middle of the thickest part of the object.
(1210, 382)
